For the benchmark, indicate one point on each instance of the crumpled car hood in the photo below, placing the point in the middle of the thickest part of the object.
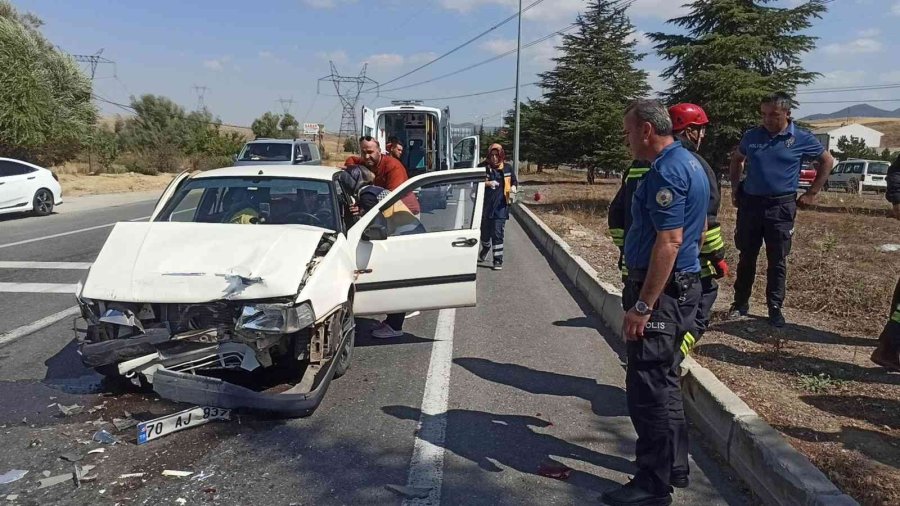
(169, 262)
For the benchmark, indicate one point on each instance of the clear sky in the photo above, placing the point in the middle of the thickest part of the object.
(250, 54)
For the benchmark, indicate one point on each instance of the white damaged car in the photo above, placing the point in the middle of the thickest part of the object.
(245, 271)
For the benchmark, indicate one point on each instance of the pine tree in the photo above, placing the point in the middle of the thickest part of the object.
(734, 53)
(587, 92)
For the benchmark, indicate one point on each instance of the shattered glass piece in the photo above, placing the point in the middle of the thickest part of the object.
(71, 456)
(11, 476)
(410, 492)
(177, 474)
(124, 423)
(131, 475)
(103, 436)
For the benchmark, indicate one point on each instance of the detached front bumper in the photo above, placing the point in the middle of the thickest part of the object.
(207, 391)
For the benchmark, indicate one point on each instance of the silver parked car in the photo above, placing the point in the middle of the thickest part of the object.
(279, 152)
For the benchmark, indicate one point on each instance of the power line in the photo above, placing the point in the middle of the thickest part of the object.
(856, 101)
(93, 60)
(484, 62)
(464, 44)
(348, 89)
(478, 93)
(850, 88)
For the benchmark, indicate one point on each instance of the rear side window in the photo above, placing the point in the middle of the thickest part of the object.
(857, 168)
(304, 148)
(8, 168)
(877, 169)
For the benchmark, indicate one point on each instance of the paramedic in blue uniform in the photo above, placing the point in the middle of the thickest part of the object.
(500, 184)
(661, 295)
(766, 200)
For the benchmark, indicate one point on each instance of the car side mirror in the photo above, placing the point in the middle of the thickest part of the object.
(377, 230)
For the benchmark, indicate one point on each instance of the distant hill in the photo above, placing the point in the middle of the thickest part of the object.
(864, 110)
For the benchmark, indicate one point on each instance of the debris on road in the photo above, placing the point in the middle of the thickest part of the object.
(194, 417)
(177, 474)
(103, 436)
(124, 423)
(72, 410)
(11, 476)
(75, 477)
(71, 456)
(202, 476)
(410, 492)
(131, 475)
(97, 450)
(181, 500)
(555, 470)
(889, 248)
(12, 497)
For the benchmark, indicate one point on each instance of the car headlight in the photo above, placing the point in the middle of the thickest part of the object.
(276, 318)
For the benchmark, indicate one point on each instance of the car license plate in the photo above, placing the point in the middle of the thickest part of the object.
(153, 429)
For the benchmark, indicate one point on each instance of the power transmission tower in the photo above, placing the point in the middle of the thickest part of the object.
(348, 89)
(286, 104)
(201, 96)
(93, 60)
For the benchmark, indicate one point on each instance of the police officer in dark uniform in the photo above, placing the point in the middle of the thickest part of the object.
(767, 201)
(887, 353)
(661, 294)
(618, 218)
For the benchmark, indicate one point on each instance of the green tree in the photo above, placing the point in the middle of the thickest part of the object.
(855, 147)
(539, 140)
(887, 155)
(45, 100)
(266, 126)
(290, 127)
(594, 80)
(350, 145)
(734, 53)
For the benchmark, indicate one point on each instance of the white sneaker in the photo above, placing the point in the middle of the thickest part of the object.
(386, 332)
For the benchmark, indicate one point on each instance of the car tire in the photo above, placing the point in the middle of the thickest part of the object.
(42, 203)
(348, 326)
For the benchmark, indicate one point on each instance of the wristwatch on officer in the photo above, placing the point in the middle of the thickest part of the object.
(641, 308)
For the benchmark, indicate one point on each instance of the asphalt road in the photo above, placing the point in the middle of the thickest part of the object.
(527, 378)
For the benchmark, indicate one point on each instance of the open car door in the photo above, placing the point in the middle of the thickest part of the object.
(408, 261)
(368, 122)
(466, 153)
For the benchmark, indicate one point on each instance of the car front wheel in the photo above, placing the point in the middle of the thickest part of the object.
(43, 202)
(347, 323)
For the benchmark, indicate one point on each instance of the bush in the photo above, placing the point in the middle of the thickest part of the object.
(350, 145)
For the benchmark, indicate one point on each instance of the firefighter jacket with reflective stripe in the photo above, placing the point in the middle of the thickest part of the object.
(713, 248)
(619, 216)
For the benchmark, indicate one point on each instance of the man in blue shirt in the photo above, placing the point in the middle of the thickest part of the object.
(661, 295)
(766, 200)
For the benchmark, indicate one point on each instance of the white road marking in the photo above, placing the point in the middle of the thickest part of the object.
(68, 288)
(426, 468)
(45, 265)
(63, 234)
(24, 330)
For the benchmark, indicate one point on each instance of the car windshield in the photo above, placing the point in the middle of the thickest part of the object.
(878, 169)
(253, 200)
(266, 152)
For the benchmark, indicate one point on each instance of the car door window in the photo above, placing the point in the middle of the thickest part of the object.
(10, 168)
(307, 155)
(857, 168)
(449, 207)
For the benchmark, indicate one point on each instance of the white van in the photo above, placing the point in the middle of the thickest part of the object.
(849, 173)
(425, 133)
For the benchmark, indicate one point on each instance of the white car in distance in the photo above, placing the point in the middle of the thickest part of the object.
(25, 187)
(246, 271)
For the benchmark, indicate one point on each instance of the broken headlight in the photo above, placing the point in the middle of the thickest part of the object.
(276, 318)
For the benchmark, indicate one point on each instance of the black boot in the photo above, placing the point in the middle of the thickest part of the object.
(631, 494)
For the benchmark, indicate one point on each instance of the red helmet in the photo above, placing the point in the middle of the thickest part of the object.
(685, 115)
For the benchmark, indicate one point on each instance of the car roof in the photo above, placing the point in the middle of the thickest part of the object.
(321, 172)
(23, 162)
(278, 141)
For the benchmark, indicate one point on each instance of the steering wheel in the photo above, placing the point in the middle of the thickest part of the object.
(296, 215)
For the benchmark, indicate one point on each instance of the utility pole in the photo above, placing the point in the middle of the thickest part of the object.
(201, 95)
(93, 60)
(286, 104)
(518, 76)
(348, 89)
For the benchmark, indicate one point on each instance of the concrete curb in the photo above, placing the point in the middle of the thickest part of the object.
(772, 468)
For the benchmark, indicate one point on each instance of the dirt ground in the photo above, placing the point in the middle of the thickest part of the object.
(75, 185)
(812, 380)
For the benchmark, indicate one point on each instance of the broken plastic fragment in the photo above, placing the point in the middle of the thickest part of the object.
(131, 475)
(11, 476)
(97, 450)
(123, 317)
(410, 492)
(12, 497)
(62, 478)
(103, 436)
(202, 476)
(124, 423)
(71, 456)
(74, 409)
(177, 474)
(555, 470)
